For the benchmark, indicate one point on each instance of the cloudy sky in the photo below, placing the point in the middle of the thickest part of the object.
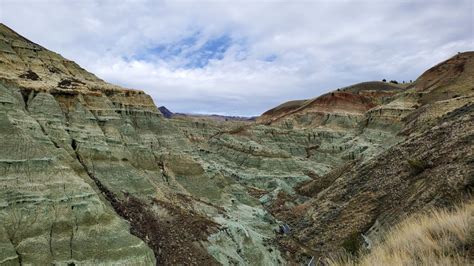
(242, 57)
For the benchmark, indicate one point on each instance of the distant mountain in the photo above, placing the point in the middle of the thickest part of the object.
(216, 117)
(166, 112)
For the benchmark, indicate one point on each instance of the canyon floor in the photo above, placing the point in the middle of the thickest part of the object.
(92, 173)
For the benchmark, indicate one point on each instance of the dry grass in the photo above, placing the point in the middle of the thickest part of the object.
(438, 238)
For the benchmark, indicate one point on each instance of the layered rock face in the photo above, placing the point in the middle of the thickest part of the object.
(430, 166)
(52, 211)
(50, 208)
(91, 173)
(343, 108)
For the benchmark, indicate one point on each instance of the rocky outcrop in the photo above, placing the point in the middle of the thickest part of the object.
(59, 124)
(50, 207)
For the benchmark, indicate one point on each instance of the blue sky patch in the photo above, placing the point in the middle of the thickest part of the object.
(212, 49)
(189, 51)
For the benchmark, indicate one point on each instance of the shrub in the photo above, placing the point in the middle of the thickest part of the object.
(352, 243)
(418, 166)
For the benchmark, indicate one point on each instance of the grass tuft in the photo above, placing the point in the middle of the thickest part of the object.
(440, 237)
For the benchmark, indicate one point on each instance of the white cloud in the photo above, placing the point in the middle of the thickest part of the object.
(314, 46)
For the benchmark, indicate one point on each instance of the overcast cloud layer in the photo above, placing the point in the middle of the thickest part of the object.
(244, 57)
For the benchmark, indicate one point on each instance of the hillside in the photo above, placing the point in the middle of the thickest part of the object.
(449, 79)
(432, 168)
(92, 173)
(350, 102)
(429, 167)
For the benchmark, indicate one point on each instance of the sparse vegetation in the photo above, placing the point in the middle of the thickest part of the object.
(352, 244)
(30, 75)
(439, 238)
(418, 166)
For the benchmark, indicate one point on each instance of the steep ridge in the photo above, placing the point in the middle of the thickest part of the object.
(449, 79)
(430, 166)
(50, 207)
(93, 174)
(343, 107)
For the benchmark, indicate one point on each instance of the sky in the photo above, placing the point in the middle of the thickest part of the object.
(243, 57)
